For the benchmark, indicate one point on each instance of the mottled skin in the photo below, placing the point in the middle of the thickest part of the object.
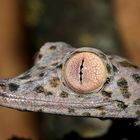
(42, 88)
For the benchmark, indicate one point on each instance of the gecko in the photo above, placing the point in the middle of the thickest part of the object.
(76, 82)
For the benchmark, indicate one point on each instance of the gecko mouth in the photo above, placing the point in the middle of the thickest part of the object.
(17, 101)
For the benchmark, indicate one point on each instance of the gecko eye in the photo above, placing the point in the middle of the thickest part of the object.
(84, 72)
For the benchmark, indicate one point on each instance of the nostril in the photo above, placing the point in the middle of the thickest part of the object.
(85, 72)
(37, 57)
(2, 86)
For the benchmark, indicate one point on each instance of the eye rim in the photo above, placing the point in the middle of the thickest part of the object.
(101, 55)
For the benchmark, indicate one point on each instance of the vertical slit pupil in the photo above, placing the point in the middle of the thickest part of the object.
(81, 71)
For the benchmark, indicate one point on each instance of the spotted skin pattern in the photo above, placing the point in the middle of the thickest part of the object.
(43, 89)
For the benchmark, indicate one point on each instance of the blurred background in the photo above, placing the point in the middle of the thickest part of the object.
(112, 26)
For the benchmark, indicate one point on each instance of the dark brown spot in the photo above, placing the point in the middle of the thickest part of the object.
(106, 93)
(41, 67)
(54, 82)
(127, 64)
(125, 93)
(39, 89)
(40, 110)
(86, 114)
(136, 77)
(55, 64)
(115, 69)
(71, 110)
(107, 81)
(121, 104)
(137, 102)
(59, 66)
(123, 85)
(100, 107)
(79, 96)
(13, 86)
(39, 56)
(41, 74)
(27, 76)
(48, 93)
(103, 113)
(138, 113)
(64, 94)
(108, 68)
(53, 47)
(30, 81)
(64, 84)
(3, 94)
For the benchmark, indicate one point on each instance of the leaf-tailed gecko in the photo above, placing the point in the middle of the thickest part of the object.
(77, 82)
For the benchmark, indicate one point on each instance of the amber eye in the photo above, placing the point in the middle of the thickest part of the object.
(84, 72)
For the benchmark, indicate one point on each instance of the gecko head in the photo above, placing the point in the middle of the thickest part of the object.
(85, 70)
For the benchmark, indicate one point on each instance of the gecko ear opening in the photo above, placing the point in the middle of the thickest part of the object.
(86, 70)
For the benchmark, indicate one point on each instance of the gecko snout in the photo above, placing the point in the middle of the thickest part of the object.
(84, 71)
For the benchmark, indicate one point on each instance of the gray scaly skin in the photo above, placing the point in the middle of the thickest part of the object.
(41, 89)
